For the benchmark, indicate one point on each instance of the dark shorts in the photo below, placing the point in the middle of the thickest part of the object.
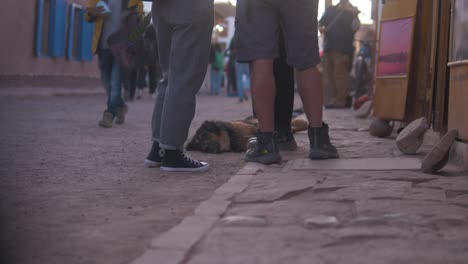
(257, 28)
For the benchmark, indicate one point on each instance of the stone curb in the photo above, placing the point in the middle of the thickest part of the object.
(174, 245)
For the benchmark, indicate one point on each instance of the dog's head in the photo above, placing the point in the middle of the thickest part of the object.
(211, 137)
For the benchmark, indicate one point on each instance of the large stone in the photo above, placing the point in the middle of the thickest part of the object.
(411, 138)
(437, 158)
(318, 221)
(364, 110)
(241, 220)
(380, 128)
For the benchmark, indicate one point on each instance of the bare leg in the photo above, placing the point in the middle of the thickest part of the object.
(310, 89)
(263, 93)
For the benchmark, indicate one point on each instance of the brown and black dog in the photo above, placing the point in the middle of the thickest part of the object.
(222, 136)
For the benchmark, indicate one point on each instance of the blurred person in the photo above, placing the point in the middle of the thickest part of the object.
(152, 58)
(217, 68)
(338, 24)
(257, 24)
(183, 33)
(242, 73)
(107, 23)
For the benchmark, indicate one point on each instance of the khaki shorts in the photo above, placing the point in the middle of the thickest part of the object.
(258, 23)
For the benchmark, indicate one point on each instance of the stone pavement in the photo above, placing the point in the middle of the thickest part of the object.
(371, 206)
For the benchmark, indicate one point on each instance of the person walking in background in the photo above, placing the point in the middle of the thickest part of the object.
(152, 58)
(242, 73)
(184, 31)
(338, 24)
(257, 25)
(107, 23)
(217, 68)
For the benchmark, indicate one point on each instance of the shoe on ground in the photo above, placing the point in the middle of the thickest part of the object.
(120, 115)
(178, 161)
(286, 141)
(320, 145)
(154, 158)
(264, 150)
(107, 120)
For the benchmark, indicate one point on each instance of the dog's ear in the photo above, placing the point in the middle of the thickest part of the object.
(212, 127)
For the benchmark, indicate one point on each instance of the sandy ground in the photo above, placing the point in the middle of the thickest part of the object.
(74, 193)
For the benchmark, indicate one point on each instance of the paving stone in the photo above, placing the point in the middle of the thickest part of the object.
(410, 176)
(411, 137)
(425, 194)
(459, 184)
(319, 221)
(277, 186)
(370, 164)
(161, 256)
(235, 185)
(184, 235)
(460, 200)
(240, 220)
(251, 168)
(367, 190)
(268, 245)
(369, 221)
(389, 251)
(408, 207)
(293, 211)
(215, 206)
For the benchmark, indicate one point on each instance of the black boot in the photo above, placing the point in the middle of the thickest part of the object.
(155, 156)
(265, 150)
(320, 145)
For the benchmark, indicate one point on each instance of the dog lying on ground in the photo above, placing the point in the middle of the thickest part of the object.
(222, 136)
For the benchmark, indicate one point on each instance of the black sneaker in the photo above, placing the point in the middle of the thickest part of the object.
(263, 149)
(177, 161)
(320, 145)
(286, 141)
(154, 158)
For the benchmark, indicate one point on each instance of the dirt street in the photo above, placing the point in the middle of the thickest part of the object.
(74, 193)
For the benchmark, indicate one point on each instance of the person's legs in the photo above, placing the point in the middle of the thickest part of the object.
(239, 80)
(342, 79)
(284, 100)
(105, 61)
(115, 98)
(215, 82)
(302, 48)
(132, 82)
(152, 76)
(105, 68)
(257, 27)
(328, 77)
(187, 34)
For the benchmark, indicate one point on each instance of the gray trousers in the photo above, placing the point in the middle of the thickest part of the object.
(183, 29)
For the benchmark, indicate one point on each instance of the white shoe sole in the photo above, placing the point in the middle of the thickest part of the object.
(151, 164)
(201, 169)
